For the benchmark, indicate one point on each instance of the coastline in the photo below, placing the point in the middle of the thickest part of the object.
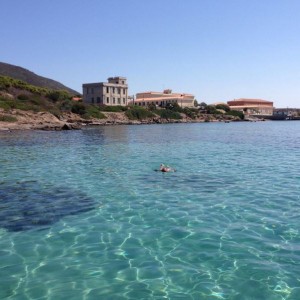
(29, 120)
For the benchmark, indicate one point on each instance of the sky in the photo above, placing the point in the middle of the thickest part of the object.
(217, 50)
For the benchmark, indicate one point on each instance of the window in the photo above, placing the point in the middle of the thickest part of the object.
(113, 90)
(98, 99)
(119, 101)
(124, 91)
(92, 90)
(87, 90)
(123, 82)
(119, 91)
(124, 100)
(107, 99)
(107, 89)
(92, 99)
(114, 100)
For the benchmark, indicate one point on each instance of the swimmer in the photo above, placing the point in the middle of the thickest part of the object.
(164, 168)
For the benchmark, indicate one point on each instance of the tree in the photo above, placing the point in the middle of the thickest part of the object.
(224, 107)
(78, 108)
(174, 107)
(236, 113)
(151, 106)
(58, 95)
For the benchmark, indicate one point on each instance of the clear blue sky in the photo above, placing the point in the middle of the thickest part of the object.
(218, 50)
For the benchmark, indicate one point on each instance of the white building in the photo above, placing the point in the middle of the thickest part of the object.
(164, 98)
(113, 92)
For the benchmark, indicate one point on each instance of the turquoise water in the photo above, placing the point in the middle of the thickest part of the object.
(83, 214)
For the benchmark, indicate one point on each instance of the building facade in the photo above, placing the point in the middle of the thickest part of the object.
(287, 113)
(252, 106)
(113, 92)
(163, 98)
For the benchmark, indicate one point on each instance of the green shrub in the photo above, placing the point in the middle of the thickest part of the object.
(86, 111)
(23, 97)
(93, 112)
(55, 112)
(152, 107)
(236, 113)
(211, 109)
(78, 108)
(25, 106)
(35, 103)
(5, 118)
(224, 107)
(58, 95)
(116, 108)
(5, 82)
(66, 105)
(4, 103)
(174, 107)
(168, 114)
(138, 113)
(39, 101)
(190, 112)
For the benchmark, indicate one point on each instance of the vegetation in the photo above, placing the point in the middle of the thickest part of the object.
(58, 95)
(108, 108)
(168, 114)
(8, 104)
(5, 118)
(236, 113)
(93, 112)
(17, 94)
(174, 107)
(3, 104)
(78, 108)
(138, 113)
(224, 107)
(23, 97)
(191, 112)
(24, 75)
(211, 109)
(87, 111)
(8, 82)
(172, 111)
(66, 105)
(41, 99)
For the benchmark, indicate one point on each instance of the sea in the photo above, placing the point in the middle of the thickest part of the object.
(86, 215)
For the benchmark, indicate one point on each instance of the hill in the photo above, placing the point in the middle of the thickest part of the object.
(20, 73)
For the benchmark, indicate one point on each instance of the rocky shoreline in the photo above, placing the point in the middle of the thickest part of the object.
(28, 120)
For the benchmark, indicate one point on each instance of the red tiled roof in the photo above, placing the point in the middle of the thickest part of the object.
(76, 98)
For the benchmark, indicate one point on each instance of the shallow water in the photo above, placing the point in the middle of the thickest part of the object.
(83, 215)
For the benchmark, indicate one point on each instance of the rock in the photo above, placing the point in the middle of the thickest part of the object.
(6, 95)
(66, 127)
(75, 126)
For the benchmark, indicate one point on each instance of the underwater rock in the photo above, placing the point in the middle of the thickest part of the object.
(29, 205)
